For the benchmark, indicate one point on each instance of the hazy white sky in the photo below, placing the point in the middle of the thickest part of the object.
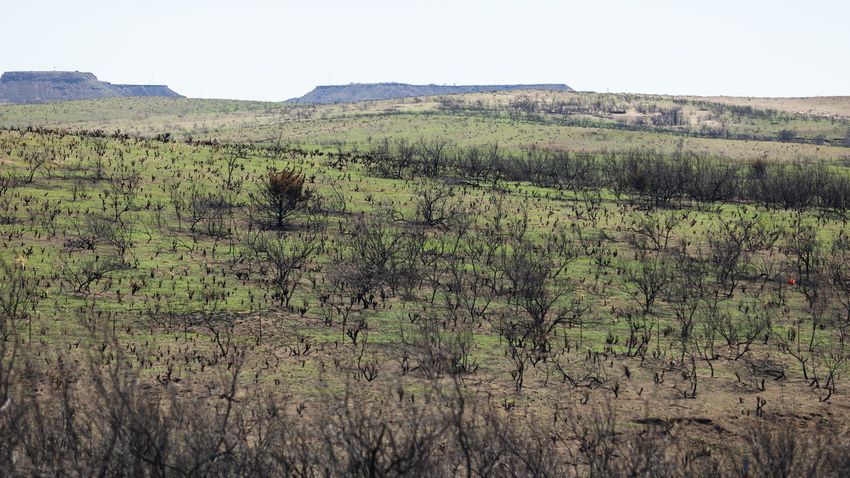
(274, 50)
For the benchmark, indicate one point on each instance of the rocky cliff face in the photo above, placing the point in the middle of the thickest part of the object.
(384, 91)
(49, 86)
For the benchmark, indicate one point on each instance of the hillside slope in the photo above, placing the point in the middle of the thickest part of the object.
(383, 91)
(22, 87)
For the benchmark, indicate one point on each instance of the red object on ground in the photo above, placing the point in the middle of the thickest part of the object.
(792, 281)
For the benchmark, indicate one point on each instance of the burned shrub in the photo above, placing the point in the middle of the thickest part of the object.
(280, 195)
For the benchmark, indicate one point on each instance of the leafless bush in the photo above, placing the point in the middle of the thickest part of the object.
(436, 345)
(433, 156)
(94, 230)
(8, 181)
(38, 159)
(538, 284)
(776, 450)
(651, 232)
(647, 279)
(99, 149)
(208, 213)
(18, 297)
(714, 181)
(233, 157)
(740, 333)
(286, 256)
(434, 207)
(472, 269)
(98, 419)
(379, 259)
(732, 244)
(123, 185)
(8, 210)
(393, 159)
(80, 273)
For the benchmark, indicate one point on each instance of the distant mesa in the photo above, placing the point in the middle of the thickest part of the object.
(22, 87)
(385, 91)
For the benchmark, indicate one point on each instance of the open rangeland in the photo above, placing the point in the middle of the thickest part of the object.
(520, 283)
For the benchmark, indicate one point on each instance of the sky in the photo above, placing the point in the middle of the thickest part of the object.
(275, 50)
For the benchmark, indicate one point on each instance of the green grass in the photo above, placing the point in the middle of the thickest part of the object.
(173, 267)
(364, 124)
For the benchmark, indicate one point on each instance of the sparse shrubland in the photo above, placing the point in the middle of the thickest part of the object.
(418, 305)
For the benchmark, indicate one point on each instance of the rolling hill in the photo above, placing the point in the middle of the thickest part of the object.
(355, 92)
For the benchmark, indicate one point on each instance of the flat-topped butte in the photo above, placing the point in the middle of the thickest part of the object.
(22, 87)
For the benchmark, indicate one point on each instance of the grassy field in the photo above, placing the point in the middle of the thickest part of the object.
(530, 293)
(547, 118)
